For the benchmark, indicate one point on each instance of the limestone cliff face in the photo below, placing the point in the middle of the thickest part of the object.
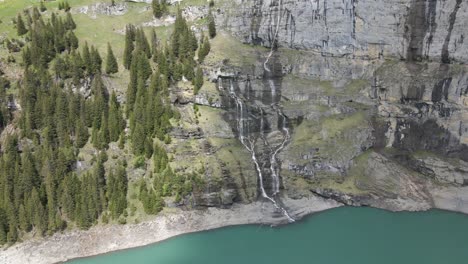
(376, 93)
(407, 29)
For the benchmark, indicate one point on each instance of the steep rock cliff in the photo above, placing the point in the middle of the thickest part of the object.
(406, 29)
(375, 93)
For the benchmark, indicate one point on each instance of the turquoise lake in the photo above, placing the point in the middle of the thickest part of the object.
(344, 235)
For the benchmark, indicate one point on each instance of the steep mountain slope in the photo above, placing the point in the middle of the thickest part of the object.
(305, 105)
(377, 91)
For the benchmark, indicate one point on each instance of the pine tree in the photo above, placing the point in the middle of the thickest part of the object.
(111, 61)
(37, 212)
(66, 6)
(148, 148)
(143, 66)
(129, 36)
(204, 50)
(122, 140)
(24, 219)
(96, 61)
(157, 9)
(132, 87)
(117, 192)
(3, 226)
(72, 41)
(103, 133)
(42, 7)
(87, 58)
(20, 27)
(115, 122)
(154, 44)
(77, 66)
(164, 6)
(138, 139)
(198, 80)
(59, 223)
(35, 14)
(12, 235)
(69, 22)
(82, 133)
(211, 25)
(142, 42)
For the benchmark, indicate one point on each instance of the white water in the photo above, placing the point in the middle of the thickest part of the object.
(249, 144)
(274, 37)
(273, 161)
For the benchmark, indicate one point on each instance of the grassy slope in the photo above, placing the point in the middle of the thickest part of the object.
(97, 31)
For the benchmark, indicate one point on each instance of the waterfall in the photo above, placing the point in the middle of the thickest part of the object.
(274, 37)
(273, 161)
(249, 141)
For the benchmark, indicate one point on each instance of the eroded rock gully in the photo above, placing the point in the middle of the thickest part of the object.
(375, 94)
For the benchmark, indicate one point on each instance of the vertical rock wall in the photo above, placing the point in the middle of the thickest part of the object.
(408, 29)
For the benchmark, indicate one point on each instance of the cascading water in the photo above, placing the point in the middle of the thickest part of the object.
(249, 141)
(273, 160)
(275, 36)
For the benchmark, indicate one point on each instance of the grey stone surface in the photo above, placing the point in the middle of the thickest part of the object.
(409, 29)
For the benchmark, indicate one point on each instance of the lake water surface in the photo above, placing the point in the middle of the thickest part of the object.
(343, 235)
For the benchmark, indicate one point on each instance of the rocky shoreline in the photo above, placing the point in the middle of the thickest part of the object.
(103, 239)
(98, 240)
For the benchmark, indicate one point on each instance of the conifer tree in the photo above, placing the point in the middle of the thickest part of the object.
(132, 87)
(204, 50)
(138, 139)
(24, 219)
(117, 192)
(103, 133)
(35, 14)
(142, 42)
(154, 44)
(20, 27)
(69, 22)
(164, 6)
(198, 80)
(82, 133)
(71, 41)
(87, 58)
(42, 7)
(66, 6)
(157, 9)
(211, 25)
(129, 36)
(77, 66)
(96, 61)
(116, 122)
(111, 61)
(122, 140)
(143, 66)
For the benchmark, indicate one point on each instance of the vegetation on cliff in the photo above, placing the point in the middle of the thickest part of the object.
(63, 105)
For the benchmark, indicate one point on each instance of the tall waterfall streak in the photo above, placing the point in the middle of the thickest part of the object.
(274, 37)
(262, 125)
(273, 161)
(249, 144)
(274, 168)
(262, 188)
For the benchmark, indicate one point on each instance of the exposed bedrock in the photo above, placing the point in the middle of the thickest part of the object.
(375, 94)
(408, 29)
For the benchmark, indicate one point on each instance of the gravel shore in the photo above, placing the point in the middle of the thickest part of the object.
(103, 239)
